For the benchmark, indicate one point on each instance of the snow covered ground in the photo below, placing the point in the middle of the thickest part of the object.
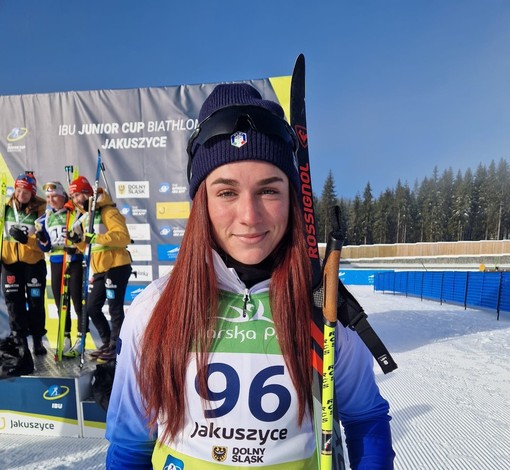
(450, 396)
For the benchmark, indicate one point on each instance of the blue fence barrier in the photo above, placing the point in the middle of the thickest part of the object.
(489, 290)
(360, 277)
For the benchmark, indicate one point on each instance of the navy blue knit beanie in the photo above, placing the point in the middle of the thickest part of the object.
(225, 148)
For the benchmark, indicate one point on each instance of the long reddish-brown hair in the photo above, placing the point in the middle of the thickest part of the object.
(181, 319)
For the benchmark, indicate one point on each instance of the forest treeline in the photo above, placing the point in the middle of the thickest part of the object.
(467, 206)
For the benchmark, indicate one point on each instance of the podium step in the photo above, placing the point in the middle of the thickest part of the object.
(52, 401)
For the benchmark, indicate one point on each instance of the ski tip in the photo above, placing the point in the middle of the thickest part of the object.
(300, 61)
(298, 73)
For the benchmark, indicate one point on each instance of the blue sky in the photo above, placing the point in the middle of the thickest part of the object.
(394, 87)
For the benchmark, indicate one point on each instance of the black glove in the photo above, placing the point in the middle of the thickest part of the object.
(70, 250)
(18, 235)
(89, 238)
(74, 237)
(41, 236)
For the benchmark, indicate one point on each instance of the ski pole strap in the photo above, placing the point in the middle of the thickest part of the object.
(351, 315)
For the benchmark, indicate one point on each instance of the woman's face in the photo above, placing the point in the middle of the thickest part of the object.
(23, 195)
(79, 198)
(248, 204)
(55, 201)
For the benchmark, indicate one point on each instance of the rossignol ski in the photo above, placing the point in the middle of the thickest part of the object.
(349, 311)
(298, 123)
(87, 255)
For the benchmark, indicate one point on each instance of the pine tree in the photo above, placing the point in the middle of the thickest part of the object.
(467, 207)
(367, 216)
(326, 203)
(355, 230)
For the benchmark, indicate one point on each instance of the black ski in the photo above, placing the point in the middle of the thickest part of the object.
(298, 123)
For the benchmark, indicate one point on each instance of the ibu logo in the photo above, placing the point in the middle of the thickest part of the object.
(55, 392)
(17, 133)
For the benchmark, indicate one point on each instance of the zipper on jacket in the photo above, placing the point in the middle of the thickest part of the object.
(246, 298)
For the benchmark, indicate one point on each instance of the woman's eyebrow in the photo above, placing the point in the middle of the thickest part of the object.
(226, 181)
(234, 182)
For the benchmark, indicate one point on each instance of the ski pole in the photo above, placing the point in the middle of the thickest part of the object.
(329, 310)
(15, 209)
(3, 200)
(87, 256)
(103, 174)
(69, 173)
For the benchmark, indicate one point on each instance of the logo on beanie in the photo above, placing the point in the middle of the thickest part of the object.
(238, 139)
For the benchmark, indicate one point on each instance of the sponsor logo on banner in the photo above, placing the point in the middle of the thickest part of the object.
(141, 273)
(138, 211)
(174, 188)
(140, 252)
(178, 231)
(139, 231)
(164, 187)
(164, 269)
(167, 252)
(17, 133)
(132, 292)
(179, 189)
(132, 189)
(135, 211)
(172, 210)
(14, 137)
(167, 231)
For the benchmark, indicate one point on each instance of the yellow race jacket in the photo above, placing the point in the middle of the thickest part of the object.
(109, 247)
(13, 251)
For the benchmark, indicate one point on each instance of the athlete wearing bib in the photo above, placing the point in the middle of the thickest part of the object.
(23, 265)
(214, 369)
(110, 263)
(52, 234)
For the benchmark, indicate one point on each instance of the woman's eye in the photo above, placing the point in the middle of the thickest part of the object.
(226, 193)
(269, 191)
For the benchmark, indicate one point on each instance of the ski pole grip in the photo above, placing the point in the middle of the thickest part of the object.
(330, 269)
(330, 286)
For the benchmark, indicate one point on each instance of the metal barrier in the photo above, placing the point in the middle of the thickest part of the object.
(488, 290)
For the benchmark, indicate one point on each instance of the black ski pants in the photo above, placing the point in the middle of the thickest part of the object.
(110, 285)
(24, 287)
(75, 291)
